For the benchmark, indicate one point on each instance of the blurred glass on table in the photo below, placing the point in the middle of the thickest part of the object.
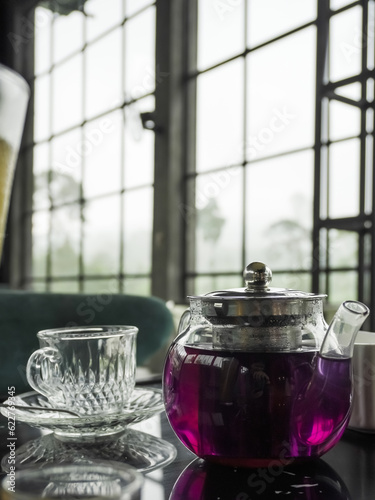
(102, 480)
(14, 97)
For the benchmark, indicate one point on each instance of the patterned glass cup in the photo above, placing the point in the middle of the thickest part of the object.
(89, 370)
(109, 480)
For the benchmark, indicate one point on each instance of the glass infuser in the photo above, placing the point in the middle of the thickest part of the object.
(255, 376)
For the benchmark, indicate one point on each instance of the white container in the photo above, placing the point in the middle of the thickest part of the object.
(363, 412)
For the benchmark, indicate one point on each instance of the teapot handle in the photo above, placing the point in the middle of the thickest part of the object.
(184, 321)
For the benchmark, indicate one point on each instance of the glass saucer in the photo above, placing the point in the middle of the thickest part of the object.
(132, 447)
(144, 403)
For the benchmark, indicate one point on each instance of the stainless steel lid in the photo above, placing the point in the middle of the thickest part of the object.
(258, 317)
(275, 305)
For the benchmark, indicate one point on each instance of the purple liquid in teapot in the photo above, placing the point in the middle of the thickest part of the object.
(250, 409)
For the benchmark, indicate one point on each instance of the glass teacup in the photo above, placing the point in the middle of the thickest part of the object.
(90, 370)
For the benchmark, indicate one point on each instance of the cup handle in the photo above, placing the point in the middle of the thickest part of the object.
(41, 363)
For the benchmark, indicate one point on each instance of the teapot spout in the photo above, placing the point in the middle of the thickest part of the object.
(341, 334)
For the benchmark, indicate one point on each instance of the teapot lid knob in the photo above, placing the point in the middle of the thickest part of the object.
(257, 276)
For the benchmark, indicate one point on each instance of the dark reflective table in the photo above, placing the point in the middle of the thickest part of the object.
(345, 472)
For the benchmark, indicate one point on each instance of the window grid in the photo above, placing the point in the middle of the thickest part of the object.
(320, 267)
(194, 175)
(362, 223)
(121, 277)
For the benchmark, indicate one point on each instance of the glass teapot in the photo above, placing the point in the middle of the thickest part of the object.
(256, 377)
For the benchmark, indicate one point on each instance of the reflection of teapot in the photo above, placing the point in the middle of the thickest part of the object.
(254, 375)
(313, 481)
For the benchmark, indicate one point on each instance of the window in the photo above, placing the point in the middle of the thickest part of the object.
(93, 160)
(254, 133)
(260, 118)
(284, 146)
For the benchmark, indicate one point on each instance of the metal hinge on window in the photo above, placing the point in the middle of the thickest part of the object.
(148, 121)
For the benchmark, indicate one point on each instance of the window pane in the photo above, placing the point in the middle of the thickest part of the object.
(344, 179)
(64, 287)
(102, 15)
(369, 174)
(281, 103)
(37, 286)
(269, 19)
(101, 245)
(369, 121)
(140, 75)
(282, 234)
(344, 120)
(342, 286)
(101, 149)
(138, 144)
(103, 88)
(101, 287)
(219, 221)
(345, 44)
(343, 248)
(40, 171)
(40, 231)
(220, 31)
(370, 90)
(205, 284)
(352, 91)
(370, 35)
(220, 116)
(133, 6)
(337, 4)
(42, 108)
(65, 241)
(42, 47)
(137, 286)
(295, 281)
(324, 182)
(67, 35)
(323, 288)
(67, 94)
(138, 217)
(66, 167)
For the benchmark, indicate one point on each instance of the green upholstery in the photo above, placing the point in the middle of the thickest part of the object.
(23, 314)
